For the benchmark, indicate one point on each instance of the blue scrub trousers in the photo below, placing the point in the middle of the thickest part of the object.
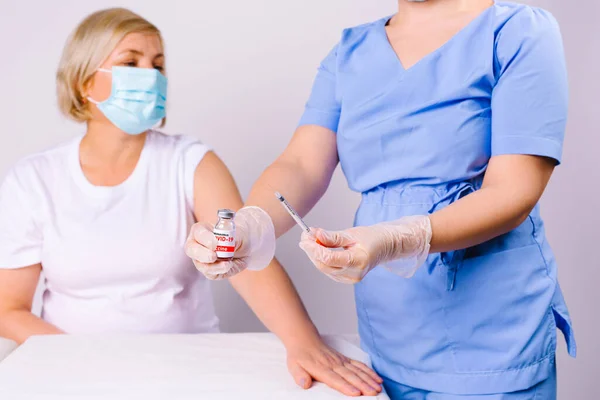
(545, 390)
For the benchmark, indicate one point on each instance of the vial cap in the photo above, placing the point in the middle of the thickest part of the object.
(226, 213)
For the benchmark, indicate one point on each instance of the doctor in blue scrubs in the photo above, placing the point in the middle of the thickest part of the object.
(449, 118)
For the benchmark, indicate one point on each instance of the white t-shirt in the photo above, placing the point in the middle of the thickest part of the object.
(113, 257)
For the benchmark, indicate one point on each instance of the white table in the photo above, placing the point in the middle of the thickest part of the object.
(153, 367)
(6, 347)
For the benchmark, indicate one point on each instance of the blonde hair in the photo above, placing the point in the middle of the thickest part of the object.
(87, 48)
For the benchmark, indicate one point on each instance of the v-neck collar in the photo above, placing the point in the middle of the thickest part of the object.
(383, 23)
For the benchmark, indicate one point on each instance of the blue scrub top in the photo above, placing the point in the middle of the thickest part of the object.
(412, 141)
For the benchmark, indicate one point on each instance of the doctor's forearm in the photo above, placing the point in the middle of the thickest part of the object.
(512, 186)
(300, 189)
(19, 325)
(475, 219)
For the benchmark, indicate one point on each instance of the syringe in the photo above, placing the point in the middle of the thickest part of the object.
(294, 215)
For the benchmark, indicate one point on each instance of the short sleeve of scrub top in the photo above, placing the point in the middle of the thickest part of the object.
(529, 101)
(20, 233)
(323, 107)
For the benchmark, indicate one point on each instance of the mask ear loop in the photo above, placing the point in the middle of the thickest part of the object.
(101, 70)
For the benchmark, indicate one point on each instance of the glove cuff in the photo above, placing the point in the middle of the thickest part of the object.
(415, 233)
(260, 234)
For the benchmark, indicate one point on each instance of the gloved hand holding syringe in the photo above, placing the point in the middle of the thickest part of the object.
(400, 246)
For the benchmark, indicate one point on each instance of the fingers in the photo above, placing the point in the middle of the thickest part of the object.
(342, 275)
(203, 234)
(367, 370)
(335, 381)
(223, 269)
(301, 377)
(308, 236)
(349, 380)
(332, 239)
(356, 381)
(201, 244)
(199, 253)
(212, 271)
(362, 380)
(329, 257)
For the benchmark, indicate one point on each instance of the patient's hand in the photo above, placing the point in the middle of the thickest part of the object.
(321, 363)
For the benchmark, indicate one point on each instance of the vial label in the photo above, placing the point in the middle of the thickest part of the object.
(226, 243)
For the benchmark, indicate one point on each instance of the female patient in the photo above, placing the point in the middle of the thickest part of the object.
(106, 215)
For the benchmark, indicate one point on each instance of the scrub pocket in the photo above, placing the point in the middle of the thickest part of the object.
(501, 305)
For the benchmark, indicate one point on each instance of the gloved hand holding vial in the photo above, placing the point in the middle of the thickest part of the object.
(233, 245)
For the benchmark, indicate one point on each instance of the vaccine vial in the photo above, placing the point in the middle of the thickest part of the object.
(225, 234)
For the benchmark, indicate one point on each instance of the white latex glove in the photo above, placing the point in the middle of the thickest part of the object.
(254, 250)
(347, 256)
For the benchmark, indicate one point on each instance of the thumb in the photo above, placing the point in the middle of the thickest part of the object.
(333, 239)
(302, 378)
(203, 235)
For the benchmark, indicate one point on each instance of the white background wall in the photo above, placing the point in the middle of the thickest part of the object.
(240, 72)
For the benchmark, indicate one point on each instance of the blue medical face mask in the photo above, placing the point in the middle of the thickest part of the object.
(137, 99)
